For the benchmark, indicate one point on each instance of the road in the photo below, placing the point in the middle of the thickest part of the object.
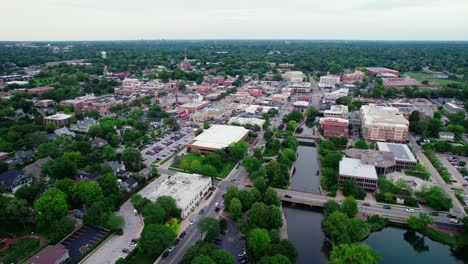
(192, 234)
(397, 211)
(458, 208)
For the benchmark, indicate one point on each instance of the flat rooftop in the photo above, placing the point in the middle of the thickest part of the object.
(401, 151)
(355, 168)
(58, 117)
(182, 187)
(219, 136)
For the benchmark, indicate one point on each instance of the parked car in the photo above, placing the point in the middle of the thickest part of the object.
(126, 250)
(201, 211)
(165, 254)
(241, 254)
(170, 249)
(182, 235)
(434, 213)
(176, 241)
(192, 221)
(288, 196)
(366, 204)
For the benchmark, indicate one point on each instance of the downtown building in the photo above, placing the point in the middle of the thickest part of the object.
(381, 123)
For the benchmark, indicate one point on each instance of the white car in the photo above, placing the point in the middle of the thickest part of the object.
(192, 221)
(409, 210)
(452, 220)
(170, 249)
(132, 244)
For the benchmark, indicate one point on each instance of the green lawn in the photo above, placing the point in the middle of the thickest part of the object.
(421, 76)
(19, 250)
(185, 164)
(44, 81)
(112, 122)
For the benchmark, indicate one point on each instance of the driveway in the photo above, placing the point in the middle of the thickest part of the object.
(111, 250)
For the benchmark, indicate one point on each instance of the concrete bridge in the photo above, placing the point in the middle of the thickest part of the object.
(303, 198)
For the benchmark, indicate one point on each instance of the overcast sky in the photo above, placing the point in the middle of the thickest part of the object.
(234, 19)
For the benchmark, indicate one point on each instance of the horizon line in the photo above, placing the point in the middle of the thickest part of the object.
(246, 39)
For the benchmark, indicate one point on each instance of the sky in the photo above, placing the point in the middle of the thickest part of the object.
(28, 20)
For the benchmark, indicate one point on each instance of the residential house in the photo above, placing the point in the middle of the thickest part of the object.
(35, 168)
(13, 179)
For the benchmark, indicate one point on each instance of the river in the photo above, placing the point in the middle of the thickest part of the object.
(396, 245)
(305, 178)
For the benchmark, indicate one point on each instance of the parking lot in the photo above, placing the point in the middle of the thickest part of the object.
(82, 240)
(233, 242)
(455, 166)
(162, 148)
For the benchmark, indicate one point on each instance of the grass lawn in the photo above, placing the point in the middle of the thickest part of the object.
(421, 76)
(227, 166)
(112, 122)
(44, 81)
(20, 249)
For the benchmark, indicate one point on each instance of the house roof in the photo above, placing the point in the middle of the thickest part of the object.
(35, 168)
(49, 254)
(10, 177)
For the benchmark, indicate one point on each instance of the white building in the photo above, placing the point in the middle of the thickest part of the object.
(217, 137)
(403, 155)
(329, 80)
(332, 96)
(300, 87)
(364, 175)
(187, 189)
(293, 76)
(246, 121)
(104, 55)
(340, 111)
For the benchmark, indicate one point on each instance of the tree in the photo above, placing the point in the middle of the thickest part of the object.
(87, 192)
(251, 164)
(231, 192)
(354, 254)
(108, 183)
(202, 259)
(436, 198)
(258, 242)
(330, 207)
(132, 159)
(275, 217)
(270, 197)
(209, 226)
(222, 257)
(420, 223)
(235, 208)
(51, 206)
(361, 144)
(169, 205)
(285, 248)
(349, 206)
(155, 238)
(260, 184)
(115, 222)
(257, 215)
(238, 149)
(247, 199)
(258, 154)
(153, 213)
(292, 125)
(276, 259)
(18, 209)
(357, 229)
(434, 127)
(335, 225)
(289, 154)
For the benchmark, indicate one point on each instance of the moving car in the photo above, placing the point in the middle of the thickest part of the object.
(387, 207)
(453, 220)
(366, 204)
(287, 196)
(434, 213)
(409, 210)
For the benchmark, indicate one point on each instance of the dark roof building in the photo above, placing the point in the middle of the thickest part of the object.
(35, 168)
(13, 179)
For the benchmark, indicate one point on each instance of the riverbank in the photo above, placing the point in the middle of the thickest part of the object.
(284, 228)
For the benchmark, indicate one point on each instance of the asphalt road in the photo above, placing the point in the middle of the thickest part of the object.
(458, 209)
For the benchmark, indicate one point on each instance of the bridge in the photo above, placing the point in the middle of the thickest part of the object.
(303, 198)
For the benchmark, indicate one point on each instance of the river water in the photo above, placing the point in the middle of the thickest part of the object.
(396, 245)
(305, 178)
